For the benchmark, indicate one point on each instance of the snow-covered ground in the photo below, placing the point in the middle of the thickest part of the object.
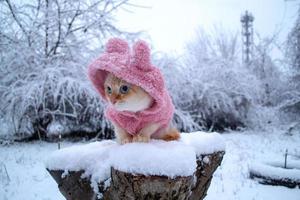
(242, 149)
(23, 175)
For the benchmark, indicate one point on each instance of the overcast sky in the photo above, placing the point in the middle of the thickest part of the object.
(170, 23)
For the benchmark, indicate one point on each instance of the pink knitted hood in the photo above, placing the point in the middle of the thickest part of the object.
(134, 67)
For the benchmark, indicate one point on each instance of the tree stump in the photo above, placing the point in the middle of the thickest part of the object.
(128, 186)
(73, 186)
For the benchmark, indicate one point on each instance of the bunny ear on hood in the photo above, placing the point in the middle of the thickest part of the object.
(117, 45)
(115, 56)
(141, 56)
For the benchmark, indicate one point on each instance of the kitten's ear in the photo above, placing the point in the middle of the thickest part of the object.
(141, 55)
(117, 45)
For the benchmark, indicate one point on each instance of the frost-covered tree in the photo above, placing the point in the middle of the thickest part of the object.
(264, 68)
(292, 104)
(45, 47)
(293, 44)
(279, 92)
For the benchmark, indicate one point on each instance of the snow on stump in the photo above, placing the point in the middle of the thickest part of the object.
(156, 170)
(274, 173)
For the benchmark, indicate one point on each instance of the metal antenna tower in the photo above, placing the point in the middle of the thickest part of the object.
(247, 36)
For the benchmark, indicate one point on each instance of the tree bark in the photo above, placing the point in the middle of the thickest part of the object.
(128, 186)
(206, 166)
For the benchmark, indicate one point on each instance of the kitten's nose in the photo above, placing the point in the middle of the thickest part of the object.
(113, 101)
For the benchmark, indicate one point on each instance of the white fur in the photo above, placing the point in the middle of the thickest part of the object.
(134, 104)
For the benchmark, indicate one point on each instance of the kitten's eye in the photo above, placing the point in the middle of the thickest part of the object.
(124, 89)
(109, 90)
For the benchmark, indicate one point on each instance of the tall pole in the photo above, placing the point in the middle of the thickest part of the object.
(247, 36)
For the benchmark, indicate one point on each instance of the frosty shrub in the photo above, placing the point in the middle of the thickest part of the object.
(41, 100)
(45, 47)
(175, 79)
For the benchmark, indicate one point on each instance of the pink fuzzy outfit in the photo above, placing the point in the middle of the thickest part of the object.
(134, 67)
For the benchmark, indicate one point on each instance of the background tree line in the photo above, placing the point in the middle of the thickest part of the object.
(46, 45)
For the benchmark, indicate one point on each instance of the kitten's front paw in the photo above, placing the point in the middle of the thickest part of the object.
(125, 140)
(140, 138)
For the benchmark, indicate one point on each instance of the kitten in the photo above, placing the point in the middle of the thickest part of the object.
(126, 97)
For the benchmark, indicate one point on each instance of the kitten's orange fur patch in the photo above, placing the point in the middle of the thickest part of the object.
(173, 134)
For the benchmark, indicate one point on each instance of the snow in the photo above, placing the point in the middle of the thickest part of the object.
(27, 178)
(55, 128)
(290, 163)
(274, 172)
(231, 180)
(93, 158)
(209, 143)
(156, 158)
(176, 158)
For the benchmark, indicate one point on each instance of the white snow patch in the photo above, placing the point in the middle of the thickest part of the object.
(155, 158)
(206, 160)
(209, 142)
(93, 158)
(55, 128)
(289, 164)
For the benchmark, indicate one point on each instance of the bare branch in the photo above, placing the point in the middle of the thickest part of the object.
(46, 28)
(18, 21)
(57, 43)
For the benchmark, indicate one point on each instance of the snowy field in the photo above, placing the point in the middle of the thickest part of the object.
(23, 175)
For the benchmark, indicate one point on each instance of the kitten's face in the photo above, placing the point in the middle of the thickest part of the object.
(125, 96)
